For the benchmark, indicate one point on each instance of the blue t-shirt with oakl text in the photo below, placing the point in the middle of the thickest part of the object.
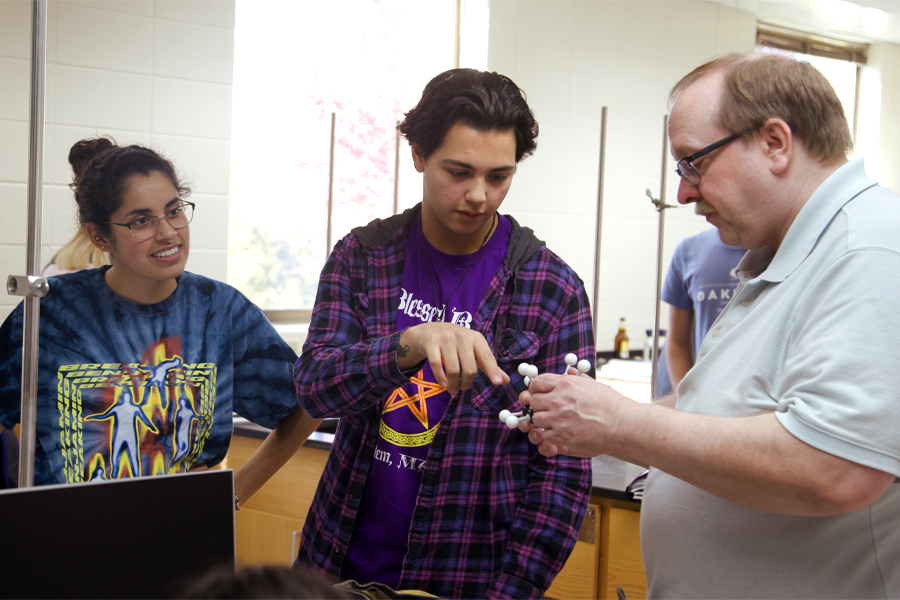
(701, 278)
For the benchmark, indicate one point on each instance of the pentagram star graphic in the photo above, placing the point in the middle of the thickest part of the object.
(417, 403)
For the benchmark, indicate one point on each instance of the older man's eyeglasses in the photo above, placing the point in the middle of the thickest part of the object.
(145, 226)
(685, 167)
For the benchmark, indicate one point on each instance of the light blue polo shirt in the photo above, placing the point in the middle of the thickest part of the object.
(810, 335)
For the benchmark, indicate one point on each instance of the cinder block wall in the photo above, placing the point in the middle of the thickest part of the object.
(572, 57)
(157, 73)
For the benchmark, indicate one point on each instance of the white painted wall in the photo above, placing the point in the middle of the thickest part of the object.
(884, 66)
(160, 73)
(157, 73)
(574, 56)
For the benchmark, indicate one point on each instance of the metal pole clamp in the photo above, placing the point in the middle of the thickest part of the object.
(27, 286)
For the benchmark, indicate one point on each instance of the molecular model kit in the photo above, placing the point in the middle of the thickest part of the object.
(529, 372)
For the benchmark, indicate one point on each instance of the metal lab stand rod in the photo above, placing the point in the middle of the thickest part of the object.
(602, 169)
(397, 169)
(661, 206)
(330, 190)
(32, 286)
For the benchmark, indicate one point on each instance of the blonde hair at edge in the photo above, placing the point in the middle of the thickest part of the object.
(80, 253)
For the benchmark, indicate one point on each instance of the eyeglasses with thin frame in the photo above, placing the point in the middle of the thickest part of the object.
(685, 167)
(145, 226)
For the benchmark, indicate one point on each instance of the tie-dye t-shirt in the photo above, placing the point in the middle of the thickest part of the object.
(128, 390)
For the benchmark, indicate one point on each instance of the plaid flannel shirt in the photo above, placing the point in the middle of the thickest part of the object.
(493, 517)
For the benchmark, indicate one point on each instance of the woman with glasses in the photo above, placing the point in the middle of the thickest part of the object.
(142, 363)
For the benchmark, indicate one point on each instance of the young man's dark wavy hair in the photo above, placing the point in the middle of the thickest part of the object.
(482, 100)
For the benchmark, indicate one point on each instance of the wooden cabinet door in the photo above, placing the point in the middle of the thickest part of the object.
(266, 522)
(579, 578)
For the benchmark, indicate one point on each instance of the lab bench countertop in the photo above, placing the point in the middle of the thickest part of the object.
(610, 475)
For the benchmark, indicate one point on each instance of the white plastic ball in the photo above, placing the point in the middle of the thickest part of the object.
(504, 415)
(532, 371)
(523, 367)
(527, 381)
(571, 359)
(512, 422)
(584, 366)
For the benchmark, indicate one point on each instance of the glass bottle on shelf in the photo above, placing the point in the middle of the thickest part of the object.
(620, 345)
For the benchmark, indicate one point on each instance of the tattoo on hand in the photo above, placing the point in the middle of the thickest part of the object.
(402, 351)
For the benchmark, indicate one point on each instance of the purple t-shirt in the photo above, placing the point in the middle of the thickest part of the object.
(411, 414)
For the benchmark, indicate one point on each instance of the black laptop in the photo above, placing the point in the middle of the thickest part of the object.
(130, 538)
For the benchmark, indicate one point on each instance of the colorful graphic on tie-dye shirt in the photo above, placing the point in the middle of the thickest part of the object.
(129, 420)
